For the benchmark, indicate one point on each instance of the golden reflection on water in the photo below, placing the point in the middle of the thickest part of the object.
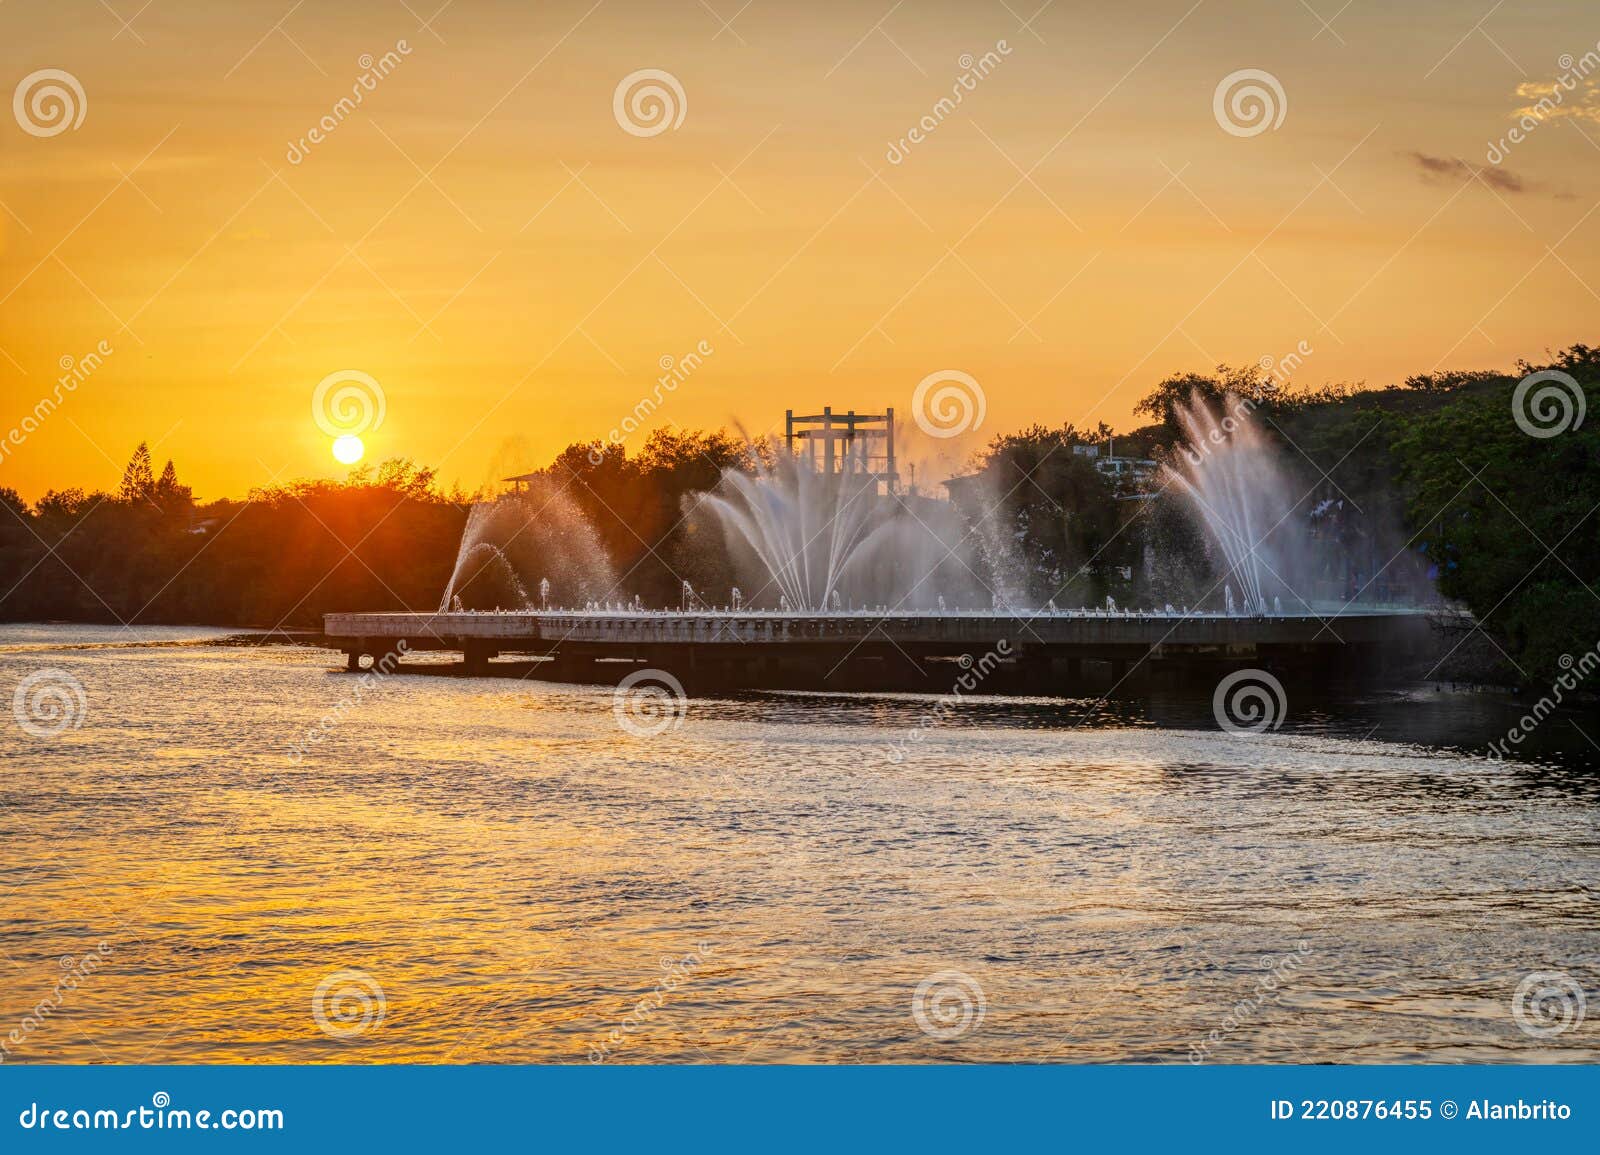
(491, 871)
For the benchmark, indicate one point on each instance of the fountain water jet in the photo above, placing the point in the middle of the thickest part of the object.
(1229, 472)
(539, 531)
(822, 540)
(451, 600)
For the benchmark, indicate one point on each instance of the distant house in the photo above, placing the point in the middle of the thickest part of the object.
(1132, 476)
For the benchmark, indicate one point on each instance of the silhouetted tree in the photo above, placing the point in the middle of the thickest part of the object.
(12, 500)
(138, 481)
(1502, 517)
(170, 496)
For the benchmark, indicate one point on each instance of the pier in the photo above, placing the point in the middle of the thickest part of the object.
(878, 646)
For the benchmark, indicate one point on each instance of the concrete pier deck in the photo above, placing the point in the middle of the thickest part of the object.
(739, 643)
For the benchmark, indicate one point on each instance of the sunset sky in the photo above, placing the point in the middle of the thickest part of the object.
(483, 238)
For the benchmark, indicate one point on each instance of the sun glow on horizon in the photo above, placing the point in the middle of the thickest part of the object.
(348, 450)
(510, 308)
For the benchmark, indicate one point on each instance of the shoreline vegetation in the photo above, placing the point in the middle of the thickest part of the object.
(1429, 485)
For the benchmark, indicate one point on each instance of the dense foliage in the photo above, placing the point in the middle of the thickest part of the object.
(382, 539)
(1513, 520)
(1434, 477)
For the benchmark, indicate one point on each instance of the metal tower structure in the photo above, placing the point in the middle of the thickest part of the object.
(850, 442)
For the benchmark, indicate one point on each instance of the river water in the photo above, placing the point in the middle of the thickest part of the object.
(496, 870)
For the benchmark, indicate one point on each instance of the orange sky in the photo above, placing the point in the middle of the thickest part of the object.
(483, 238)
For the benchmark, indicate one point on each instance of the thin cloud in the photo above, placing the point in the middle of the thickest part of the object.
(1564, 98)
(1437, 169)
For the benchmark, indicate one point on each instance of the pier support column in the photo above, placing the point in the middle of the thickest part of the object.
(1034, 666)
(475, 657)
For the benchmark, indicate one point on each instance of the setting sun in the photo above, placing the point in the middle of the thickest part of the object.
(1038, 554)
(347, 450)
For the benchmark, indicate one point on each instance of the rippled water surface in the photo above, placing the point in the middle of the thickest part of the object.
(515, 878)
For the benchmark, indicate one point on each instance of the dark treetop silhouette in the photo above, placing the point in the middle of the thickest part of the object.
(1432, 478)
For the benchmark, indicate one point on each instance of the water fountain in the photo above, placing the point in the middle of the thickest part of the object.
(539, 530)
(489, 553)
(1230, 473)
(821, 541)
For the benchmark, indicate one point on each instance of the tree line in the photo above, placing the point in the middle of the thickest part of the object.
(1435, 471)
